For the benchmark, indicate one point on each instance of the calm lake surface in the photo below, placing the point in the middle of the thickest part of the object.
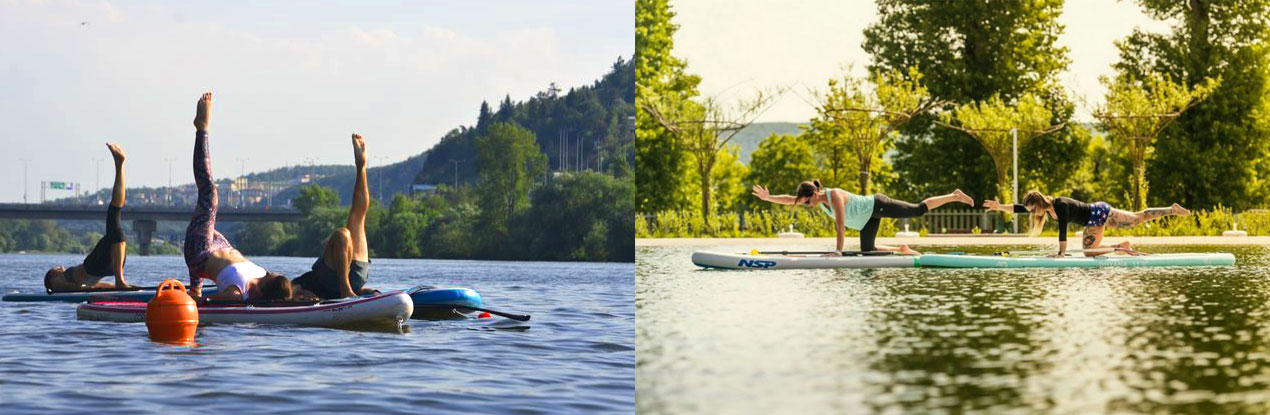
(577, 355)
(901, 341)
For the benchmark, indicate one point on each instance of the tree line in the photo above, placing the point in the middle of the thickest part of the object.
(950, 88)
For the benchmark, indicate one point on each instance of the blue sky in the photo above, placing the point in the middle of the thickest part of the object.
(292, 79)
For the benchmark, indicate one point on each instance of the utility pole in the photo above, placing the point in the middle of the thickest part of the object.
(242, 177)
(456, 172)
(382, 161)
(97, 184)
(169, 160)
(25, 164)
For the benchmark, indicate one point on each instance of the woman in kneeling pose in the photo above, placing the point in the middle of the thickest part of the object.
(860, 212)
(1095, 216)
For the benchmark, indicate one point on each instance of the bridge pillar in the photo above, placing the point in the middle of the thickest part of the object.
(145, 232)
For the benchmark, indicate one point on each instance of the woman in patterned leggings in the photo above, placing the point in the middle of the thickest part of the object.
(207, 253)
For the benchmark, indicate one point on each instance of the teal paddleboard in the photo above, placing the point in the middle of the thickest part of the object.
(1118, 260)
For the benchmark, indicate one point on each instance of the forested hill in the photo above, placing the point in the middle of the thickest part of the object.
(750, 137)
(382, 181)
(595, 114)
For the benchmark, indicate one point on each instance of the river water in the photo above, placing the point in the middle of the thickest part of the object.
(900, 341)
(577, 354)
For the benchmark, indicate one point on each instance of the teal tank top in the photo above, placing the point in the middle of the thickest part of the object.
(859, 209)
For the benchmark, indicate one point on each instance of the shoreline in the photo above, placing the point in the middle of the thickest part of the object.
(956, 240)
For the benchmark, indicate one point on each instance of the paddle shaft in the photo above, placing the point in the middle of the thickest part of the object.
(517, 317)
(1071, 251)
(844, 253)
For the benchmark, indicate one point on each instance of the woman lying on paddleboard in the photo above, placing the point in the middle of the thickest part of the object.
(864, 213)
(110, 253)
(1095, 216)
(207, 253)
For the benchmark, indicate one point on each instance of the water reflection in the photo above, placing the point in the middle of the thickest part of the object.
(1176, 340)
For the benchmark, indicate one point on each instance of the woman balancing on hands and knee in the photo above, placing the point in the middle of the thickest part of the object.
(207, 253)
(860, 212)
(342, 269)
(108, 256)
(1094, 216)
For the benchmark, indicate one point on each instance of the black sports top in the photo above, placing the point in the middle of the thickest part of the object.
(1068, 210)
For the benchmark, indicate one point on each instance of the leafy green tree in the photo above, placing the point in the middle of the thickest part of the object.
(863, 118)
(727, 180)
(509, 163)
(580, 216)
(1219, 151)
(315, 196)
(993, 123)
(1136, 111)
(659, 77)
(706, 133)
(969, 51)
(781, 162)
(260, 238)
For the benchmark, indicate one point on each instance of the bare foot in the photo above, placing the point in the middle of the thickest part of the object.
(359, 150)
(904, 249)
(120, 284)
(1180, 211)
(963, 197)
(116, 152)
(203, 112)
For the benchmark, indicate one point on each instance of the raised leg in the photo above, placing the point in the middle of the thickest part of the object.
(955, 196)
(338, 255)
(201, 233)
(118, 250)
(361, 203)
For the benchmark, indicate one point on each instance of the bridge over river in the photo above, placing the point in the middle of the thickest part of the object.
(145, 218)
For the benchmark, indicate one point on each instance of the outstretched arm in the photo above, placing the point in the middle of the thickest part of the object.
(992, 204)
(762, 193)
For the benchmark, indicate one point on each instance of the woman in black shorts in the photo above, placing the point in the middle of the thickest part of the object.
(1094, 216)
(107, 257)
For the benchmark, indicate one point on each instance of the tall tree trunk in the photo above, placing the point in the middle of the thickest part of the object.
(864, 175)
(703, 169)
(1139, 184)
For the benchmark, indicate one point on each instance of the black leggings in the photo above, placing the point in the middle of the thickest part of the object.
(98, 263)
(885, 207)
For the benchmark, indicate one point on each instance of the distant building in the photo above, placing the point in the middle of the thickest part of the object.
(426, 189)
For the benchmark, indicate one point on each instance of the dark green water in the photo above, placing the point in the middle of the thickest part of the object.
(892, 341)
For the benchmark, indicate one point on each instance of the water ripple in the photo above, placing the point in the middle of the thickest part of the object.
(577, 355)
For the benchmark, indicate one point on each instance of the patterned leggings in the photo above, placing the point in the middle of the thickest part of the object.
(201, 237)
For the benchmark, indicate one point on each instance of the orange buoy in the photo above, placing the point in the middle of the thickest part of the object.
(172, 316)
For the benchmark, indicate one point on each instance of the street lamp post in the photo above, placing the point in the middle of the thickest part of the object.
(456, 172)
(25, 164)
(1015, 133)
(242, 177)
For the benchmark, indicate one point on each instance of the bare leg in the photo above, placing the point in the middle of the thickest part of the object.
(118, 251)
(339, 256)
(955, 196)
(1092, 240)
(361, 202)
(903, 249)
